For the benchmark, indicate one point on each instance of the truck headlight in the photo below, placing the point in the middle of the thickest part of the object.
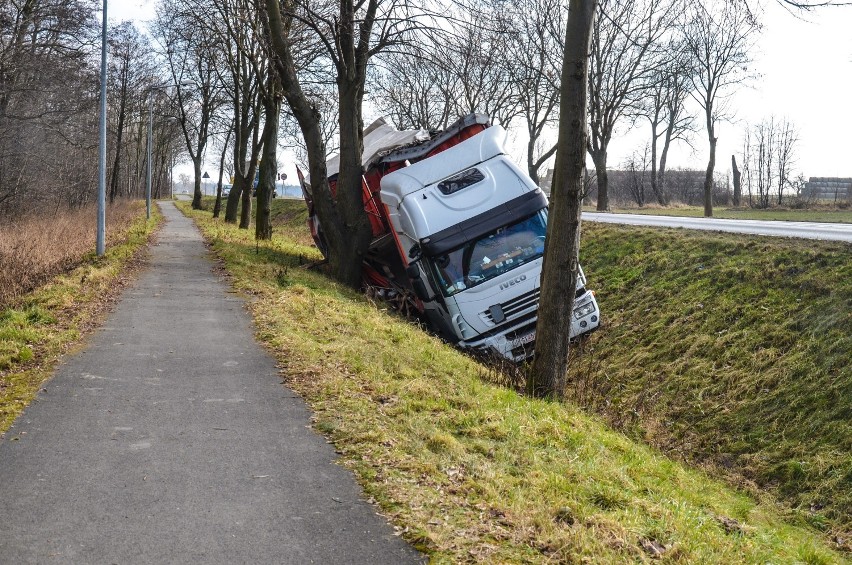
(584, 309)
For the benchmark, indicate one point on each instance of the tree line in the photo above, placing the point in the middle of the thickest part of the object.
(49, 76)
(667, 66)
(652, 62)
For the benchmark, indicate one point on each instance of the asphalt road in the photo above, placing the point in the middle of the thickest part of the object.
(170, 439)
(807, 230)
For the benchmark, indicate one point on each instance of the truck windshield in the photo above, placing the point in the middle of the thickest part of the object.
(491, 255)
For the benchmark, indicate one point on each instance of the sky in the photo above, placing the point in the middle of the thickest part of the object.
(136, 10)
(803, 67)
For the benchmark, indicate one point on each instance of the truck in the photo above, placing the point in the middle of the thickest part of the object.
(458, 235)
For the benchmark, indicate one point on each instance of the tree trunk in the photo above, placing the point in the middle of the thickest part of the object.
(217, 208)
(268, 169)
(350, 197)
(196, 194)
(738, 189)
(342, 261)
(244, 168)
(665, 196)
(116, 166)
(532, 169)
(232, 204)
(655, 187)
(560, 269)
(599, 159)
(251, 173)
(708, 178)
(244, 128)
(248, 188)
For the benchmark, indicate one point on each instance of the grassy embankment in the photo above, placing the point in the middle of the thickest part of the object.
(817, 214)
(470, 471)
(732, 350)
(38, 326)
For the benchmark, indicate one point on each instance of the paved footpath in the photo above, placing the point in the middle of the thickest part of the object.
(171, 440)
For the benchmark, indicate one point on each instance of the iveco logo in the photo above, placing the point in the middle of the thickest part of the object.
(513, 282)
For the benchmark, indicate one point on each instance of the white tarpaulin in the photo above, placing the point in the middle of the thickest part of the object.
(379, 138)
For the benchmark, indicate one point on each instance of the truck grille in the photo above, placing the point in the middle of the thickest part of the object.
(514, 306)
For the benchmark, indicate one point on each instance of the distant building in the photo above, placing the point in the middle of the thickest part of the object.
(828, 188)
(627, 187)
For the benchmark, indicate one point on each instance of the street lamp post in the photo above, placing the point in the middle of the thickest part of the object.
(101, 235)
(150, 136)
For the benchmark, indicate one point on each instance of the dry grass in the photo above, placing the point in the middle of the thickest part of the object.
(34, 249)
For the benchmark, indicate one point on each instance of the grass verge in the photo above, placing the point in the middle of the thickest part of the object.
(731, 350)
(472, 472)
(38, 327)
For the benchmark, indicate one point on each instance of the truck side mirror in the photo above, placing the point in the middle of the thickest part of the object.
(420, 290)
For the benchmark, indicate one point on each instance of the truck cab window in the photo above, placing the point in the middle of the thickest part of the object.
(491, 255)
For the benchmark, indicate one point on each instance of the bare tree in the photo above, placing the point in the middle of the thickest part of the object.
(718, 38)
(763, 160)
(240, 27)
(467, 66)
(664, 106)
(351, 34)
(771, 157)
(473, 58)
(410, 87)
(48, 97)
(226, 146)
(167, 141)
(625, 36)
(561, 266)
(745, 175)
(192, 61)
(535, 58)
(283, 38)
(268, 169)
(638, 177)
(785, 155)
(130, 73)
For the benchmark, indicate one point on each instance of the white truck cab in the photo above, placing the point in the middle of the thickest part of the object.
(473, 224)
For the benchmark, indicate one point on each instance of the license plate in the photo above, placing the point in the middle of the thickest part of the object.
(523, 340)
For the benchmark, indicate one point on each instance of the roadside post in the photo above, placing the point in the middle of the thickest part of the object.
(150, 136)
(100, 245)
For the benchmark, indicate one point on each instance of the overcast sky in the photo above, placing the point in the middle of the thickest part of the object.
(804, 67)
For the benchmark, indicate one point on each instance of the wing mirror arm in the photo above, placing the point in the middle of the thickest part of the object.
(420, 290)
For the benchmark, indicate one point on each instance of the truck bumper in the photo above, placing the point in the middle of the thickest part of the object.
(517, 341)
